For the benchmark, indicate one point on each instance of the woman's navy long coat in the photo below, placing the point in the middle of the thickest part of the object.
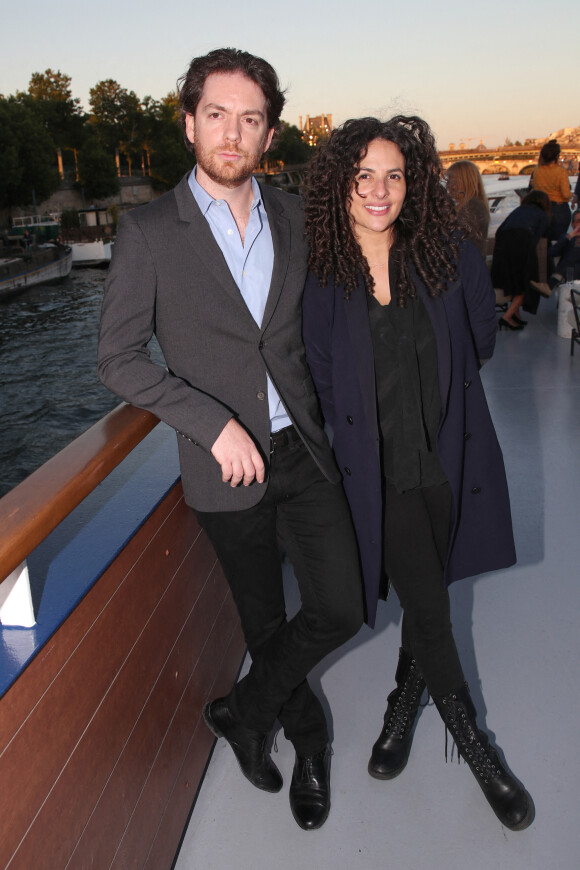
(340, 355)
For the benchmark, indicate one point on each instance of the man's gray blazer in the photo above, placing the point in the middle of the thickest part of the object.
(169, 277)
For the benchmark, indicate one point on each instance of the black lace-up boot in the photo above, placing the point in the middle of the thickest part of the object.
(391, 751)
(508, 799)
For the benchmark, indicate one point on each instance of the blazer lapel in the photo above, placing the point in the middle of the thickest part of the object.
(198, 235)
(281, 240)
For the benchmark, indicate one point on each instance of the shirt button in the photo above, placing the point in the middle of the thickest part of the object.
(349, 419)
(230, 232)
(261, 395)
(476, 490)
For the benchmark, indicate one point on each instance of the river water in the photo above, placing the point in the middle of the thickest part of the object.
(49, 390)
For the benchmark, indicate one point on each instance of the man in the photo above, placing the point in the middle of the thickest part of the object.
(215, 269)
(567, 248)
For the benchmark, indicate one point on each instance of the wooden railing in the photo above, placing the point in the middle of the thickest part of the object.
(34, 508)
(102, 744)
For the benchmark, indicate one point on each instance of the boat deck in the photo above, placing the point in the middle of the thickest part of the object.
(517, 632)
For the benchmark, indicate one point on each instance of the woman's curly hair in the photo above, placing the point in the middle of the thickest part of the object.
(425, 234)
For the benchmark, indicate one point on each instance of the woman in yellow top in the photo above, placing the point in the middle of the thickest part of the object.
(553, 179)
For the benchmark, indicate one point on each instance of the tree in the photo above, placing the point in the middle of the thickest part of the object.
(116, 117)
(97, 170)
(289, 146)
(61, 113)
(163, 142)
(51, 85)
(28, 154)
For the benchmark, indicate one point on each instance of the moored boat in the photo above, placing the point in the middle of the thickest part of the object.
(23, 268)
(95, 253)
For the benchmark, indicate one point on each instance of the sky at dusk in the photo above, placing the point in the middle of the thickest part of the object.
(486, 70)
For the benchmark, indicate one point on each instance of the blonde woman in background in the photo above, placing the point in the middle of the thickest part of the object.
(466, 188)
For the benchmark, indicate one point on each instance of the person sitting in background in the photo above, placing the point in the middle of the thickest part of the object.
(551, 178)
(576, 194)
(514, 267)
(568, 249)
(466, 188)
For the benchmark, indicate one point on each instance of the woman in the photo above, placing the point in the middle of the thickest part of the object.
(398, 313)
(514, 268)
(466, 188)
(553, 179)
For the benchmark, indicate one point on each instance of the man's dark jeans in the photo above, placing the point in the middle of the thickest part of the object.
(310, 518)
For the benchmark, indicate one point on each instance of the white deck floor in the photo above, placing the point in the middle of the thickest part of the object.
(517, 633)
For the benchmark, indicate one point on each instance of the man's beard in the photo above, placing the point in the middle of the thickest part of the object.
(228, 174)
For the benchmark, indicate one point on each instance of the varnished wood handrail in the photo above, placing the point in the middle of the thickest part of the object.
(34, 508)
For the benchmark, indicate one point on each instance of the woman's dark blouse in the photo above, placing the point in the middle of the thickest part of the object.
(408, 400)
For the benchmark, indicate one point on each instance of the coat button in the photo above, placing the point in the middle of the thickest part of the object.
(261, 395)
(476, 490)
(467, 436)
(347, 470)
(349, 419)
(466, 384)
(261, 345)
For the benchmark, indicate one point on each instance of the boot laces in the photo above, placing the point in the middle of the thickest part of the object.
(406, 703)
(471, 743)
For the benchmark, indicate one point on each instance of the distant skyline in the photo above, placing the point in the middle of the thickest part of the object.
(473, 70)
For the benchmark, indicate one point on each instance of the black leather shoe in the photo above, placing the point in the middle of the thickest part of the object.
(310, 790)
(249, 746)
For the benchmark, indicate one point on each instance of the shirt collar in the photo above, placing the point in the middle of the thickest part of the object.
(205, 200)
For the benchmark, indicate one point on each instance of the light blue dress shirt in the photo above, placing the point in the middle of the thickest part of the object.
(250, 264)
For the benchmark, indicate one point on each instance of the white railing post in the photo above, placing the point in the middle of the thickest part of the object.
(16, 599)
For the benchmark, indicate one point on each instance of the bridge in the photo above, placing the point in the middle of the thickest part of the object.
(510, 159)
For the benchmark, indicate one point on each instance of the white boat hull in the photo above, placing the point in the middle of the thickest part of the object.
(91, 253)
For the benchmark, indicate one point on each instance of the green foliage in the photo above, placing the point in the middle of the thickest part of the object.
(168, 157)
(28, 154)
(113, 211)
(97, 170)
(51, 85)
(60, 112)
(116, 116)
(289, 146)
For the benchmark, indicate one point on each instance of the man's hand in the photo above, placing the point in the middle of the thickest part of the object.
(238, 456)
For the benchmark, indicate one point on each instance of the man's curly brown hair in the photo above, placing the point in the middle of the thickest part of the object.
(425, 234)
